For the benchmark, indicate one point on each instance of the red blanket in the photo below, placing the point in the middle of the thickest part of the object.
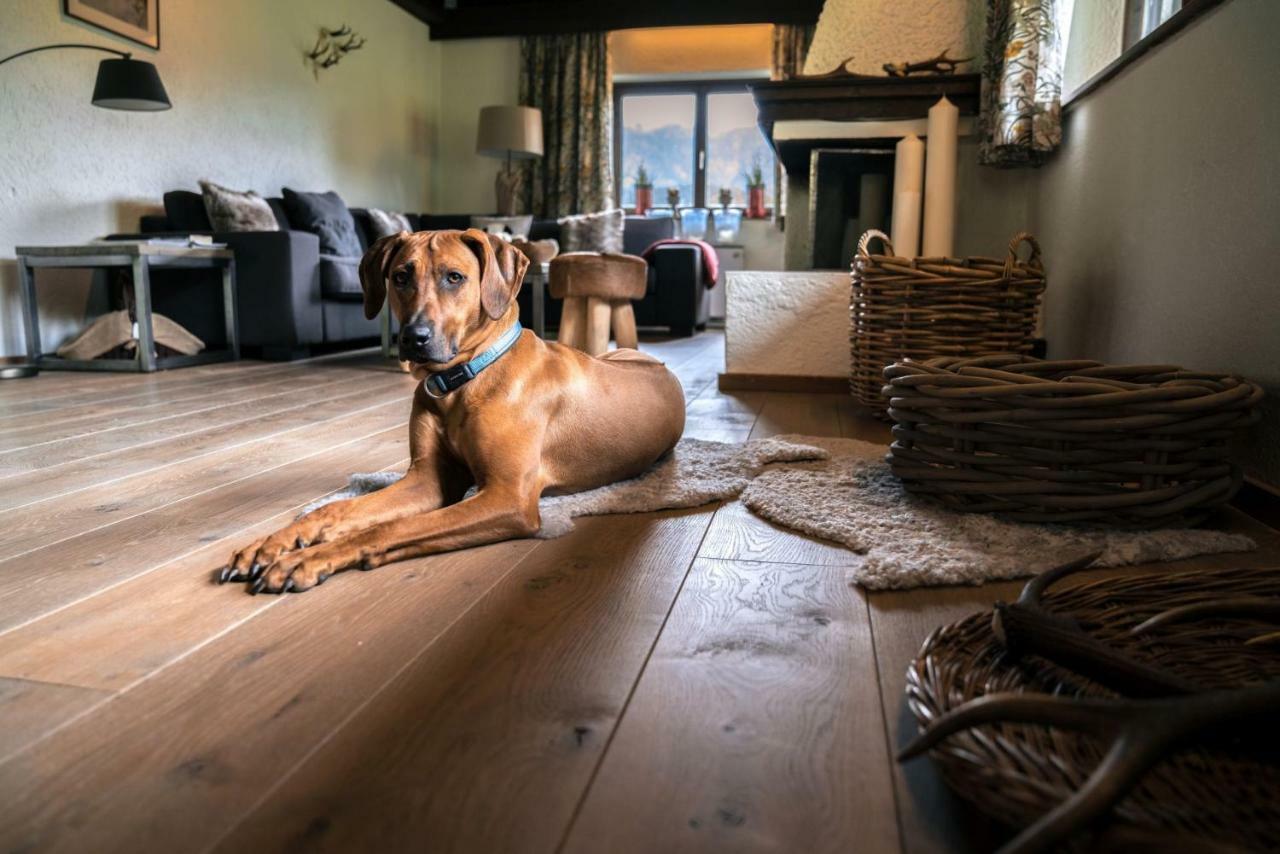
(710, 261)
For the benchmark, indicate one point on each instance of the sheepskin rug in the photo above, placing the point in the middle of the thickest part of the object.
(841, 490)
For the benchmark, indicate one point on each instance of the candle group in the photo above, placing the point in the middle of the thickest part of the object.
(928, 177)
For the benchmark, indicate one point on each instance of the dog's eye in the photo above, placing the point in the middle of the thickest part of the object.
(453, 277)
(401, 278)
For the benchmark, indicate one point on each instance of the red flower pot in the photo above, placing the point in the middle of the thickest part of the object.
(755, 203)
(644, 199)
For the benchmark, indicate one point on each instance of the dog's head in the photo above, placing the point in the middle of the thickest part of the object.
(443, 287)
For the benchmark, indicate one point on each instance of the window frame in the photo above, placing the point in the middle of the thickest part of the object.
(700, 89)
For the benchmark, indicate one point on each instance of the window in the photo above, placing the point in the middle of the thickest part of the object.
(1143, 16)
(696, 137)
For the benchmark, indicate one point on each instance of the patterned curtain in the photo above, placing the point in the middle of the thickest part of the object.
(569, 79)
(1021, 121)
(790, 47)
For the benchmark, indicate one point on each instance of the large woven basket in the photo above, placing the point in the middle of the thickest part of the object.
(918, 308)
(1136, 446)
(1017, 772)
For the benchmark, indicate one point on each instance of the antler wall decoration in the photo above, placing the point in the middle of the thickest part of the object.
(332, 46)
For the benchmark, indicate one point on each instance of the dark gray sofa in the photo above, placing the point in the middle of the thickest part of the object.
(293, 300)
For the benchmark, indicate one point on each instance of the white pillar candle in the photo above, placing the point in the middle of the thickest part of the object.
(940, 179)
(908, 183)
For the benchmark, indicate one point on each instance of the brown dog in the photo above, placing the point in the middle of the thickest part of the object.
(541, 418)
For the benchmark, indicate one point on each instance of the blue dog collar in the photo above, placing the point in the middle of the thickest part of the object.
(438, 385)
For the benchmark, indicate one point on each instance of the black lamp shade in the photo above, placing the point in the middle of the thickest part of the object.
(129, 84)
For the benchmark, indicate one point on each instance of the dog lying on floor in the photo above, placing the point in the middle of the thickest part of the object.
(495, 407)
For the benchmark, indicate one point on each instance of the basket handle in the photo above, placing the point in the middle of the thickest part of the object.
(865, 241)
(1015, 244)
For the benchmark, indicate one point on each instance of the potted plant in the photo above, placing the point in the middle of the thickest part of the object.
(726, 197)
(644, 190)
(755, 191)
(673, 198)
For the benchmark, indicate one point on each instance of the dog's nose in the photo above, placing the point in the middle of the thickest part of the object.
(417, 335)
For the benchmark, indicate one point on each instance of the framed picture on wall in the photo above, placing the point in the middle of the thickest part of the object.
(136, 20)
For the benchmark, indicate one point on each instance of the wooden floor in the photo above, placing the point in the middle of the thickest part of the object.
(678, 681)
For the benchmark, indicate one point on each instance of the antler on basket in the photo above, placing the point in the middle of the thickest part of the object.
(1142, 732)
(1026, 626)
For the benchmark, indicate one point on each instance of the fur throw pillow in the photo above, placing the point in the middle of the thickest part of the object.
(233, 210)
(596, 232)
(386, 224)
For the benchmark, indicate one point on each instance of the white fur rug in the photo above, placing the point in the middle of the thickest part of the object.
(841, 490)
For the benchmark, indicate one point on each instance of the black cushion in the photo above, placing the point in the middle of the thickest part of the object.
(326, 216)
(185, 212)
(340, 278)
(640, 232)
(441, 222)
(282, 216)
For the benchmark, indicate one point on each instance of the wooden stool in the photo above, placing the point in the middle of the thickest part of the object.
(597, 289)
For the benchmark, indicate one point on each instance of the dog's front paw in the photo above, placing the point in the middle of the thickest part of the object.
(249, 563)
(301, 570)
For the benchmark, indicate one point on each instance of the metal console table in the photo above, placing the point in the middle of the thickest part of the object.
(141, 257)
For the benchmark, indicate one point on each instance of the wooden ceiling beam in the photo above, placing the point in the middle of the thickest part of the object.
(545, 17)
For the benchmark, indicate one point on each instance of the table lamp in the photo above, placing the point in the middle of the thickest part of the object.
(516, 134)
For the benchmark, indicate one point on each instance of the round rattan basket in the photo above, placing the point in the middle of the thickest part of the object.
(1017, 772)
(1136, 446)
(918, 308)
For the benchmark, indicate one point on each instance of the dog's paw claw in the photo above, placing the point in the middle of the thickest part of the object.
(257, 585)
(288, 586)
(222, 576)
(255, 571)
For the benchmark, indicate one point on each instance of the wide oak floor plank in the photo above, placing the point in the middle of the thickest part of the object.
(752, 728)
(487, 740)
(29, 709)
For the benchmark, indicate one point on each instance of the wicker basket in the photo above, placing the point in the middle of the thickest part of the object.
(1136, 446)
(1017, 772)
(918, 308)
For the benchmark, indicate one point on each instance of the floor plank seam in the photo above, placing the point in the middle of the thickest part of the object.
(52, 684)
(884, 722)
(234, 534)
(211, 489)
(635, 684)
(315, 748)
(203, 454)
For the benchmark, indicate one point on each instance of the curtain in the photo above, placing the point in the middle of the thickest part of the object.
(568, 78)
(1021, 119)
(790, 47)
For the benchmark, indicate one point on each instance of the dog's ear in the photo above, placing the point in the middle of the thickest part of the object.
(502, 269)
(375, 266)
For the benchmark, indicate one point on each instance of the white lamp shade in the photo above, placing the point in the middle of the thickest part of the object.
(510, 131)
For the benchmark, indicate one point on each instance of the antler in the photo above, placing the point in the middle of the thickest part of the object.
(1142, 733)
(1026, 627)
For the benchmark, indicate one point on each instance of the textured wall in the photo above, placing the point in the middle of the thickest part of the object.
(795, 324)
(1159, 214)
(1096, 38)
(874, 32)
(474, 73)
(247, 113)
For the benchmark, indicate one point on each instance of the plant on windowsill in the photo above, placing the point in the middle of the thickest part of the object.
(673, 197)
(755, 191)
(644, 190)
(726, 197)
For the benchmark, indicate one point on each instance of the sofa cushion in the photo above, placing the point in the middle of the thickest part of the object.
(340, 278)
(185, 211)
(595, 232)
(385, 224)
(236, 210)
(441, 222)
(326, 216)
(643, 231)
